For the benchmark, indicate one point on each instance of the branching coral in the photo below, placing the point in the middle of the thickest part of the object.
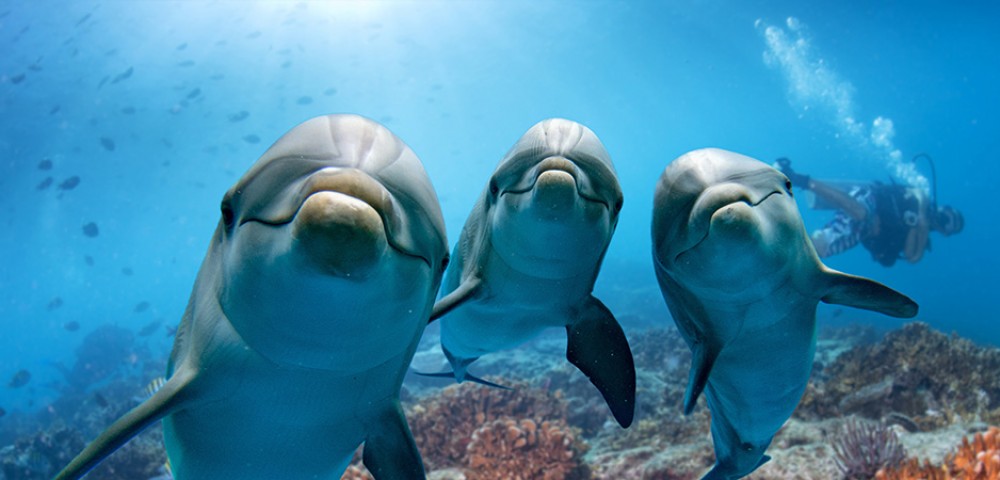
(865, 447)
(511, 449)
(443, 424)
(978, 460)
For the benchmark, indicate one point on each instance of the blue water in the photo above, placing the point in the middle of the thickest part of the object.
(166, 82)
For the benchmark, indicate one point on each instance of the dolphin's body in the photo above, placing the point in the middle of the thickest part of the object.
(742, 281)
(528, 257)
(305, 314)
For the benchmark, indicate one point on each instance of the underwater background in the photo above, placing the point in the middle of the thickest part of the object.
(123, 123)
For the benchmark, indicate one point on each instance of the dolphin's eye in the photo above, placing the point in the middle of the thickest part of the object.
(747, 447)
(618, 205)
(494, 189)
(788, 186)
(228, 217)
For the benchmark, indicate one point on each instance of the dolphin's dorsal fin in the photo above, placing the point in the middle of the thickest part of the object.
(597, 346)
(702, 359)
(860, 292)
(468, 289)
(390, 451)
(166, 400)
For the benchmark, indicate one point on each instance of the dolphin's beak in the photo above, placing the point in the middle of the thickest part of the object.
(713, 199)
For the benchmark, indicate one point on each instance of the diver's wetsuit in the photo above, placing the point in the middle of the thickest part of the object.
(891, 211)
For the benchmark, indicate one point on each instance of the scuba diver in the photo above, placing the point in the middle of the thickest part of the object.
(891, 221)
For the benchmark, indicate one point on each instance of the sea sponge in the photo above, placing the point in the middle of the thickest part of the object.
(510, 449)
(918, 372)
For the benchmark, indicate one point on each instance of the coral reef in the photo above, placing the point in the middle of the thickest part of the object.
(863, 448)
(443, 424)
(524, 450)
(979, 460)
(915, 374)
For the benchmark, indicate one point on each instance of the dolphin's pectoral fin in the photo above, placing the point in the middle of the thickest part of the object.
(597, 346)
(465, 291)
(702, 359)
(467, 376)
(166, 400)
(390, 451)
(860, 292)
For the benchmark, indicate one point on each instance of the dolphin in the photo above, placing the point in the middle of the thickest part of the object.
(742, 282)
(307, 309)
(528, 257)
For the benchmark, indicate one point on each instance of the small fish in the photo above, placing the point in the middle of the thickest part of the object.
(55, 303)
(286, 64)
(16, 79)
(182, 46)
(88, 260)
(330, 91)
(251, 139)
(100, 400)
(108, 144)
(239, 116)
(254, 34)
(20, 379)
(45, 183)
(45, 164)
(2, 412)
(128, 110)
(186, 63)
(150, 328)
(54, 110)
(71, 326)
(70, 183)
(90, 230)
(304, 100)
(122, 76)
(141, 307)
(152, 387)
(84, 19)
(127, 271)
(171, 330)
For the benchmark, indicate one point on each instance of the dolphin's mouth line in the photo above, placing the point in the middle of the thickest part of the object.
(382, 213)
(708, 230)
(579, 191)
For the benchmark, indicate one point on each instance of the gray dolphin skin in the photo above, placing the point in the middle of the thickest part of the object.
(742, 282)
(318, 282)
(528, 257)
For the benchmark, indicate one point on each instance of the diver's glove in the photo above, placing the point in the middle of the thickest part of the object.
(784, 165)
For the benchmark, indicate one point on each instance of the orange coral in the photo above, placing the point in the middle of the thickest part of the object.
(979, 460)
(521, 450)
(443, 424)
